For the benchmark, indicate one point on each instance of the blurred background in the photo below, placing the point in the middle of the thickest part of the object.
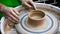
(53, 2)
(14, 3)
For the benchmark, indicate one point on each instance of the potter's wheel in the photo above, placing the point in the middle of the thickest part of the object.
(51, 20)
(52, 17)
(48, 25)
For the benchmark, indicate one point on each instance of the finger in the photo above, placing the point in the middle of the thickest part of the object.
(14, 14)
(10, 19)
(13, 18)
(11, 22)
(16, 11)
(32, 4)
(26, 4)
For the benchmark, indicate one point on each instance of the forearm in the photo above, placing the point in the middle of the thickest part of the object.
(2, 8)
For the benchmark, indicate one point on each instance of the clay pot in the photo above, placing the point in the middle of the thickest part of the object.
(36, 18)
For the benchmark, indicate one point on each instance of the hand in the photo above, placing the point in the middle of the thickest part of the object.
(28, 3)
(10, 13)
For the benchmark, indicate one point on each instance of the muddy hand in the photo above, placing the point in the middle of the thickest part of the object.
(10, 13)
(28, 4)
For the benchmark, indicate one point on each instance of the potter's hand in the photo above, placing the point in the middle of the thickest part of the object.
(10, 13)
(28, 4)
